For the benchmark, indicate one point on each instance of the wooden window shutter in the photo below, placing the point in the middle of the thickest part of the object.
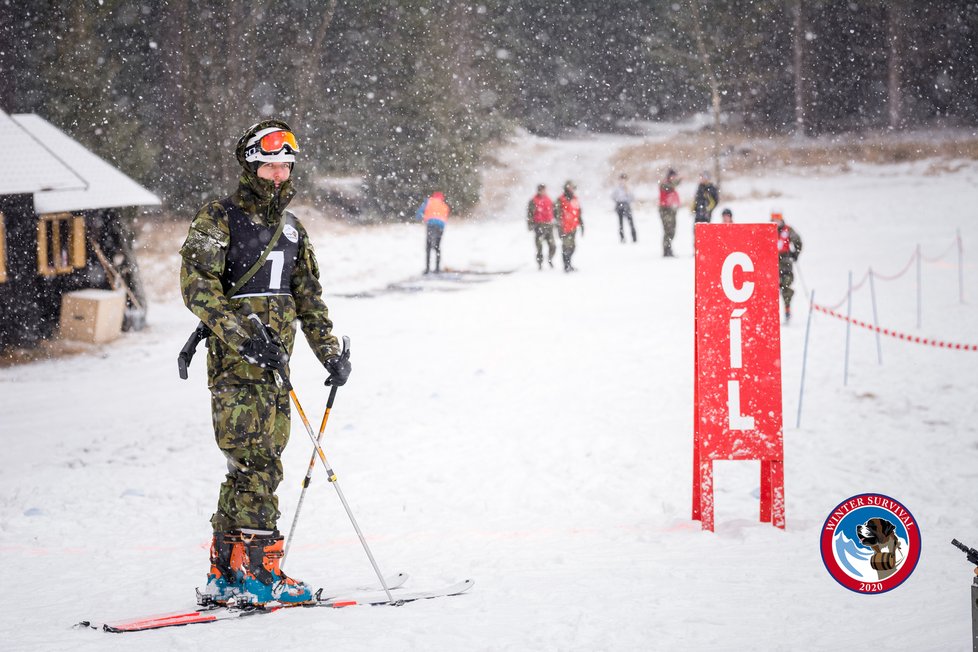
(43, 267)
(58, 260)
(78, 242)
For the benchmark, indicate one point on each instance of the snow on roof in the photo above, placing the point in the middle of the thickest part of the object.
(29, 167)
(106, 187)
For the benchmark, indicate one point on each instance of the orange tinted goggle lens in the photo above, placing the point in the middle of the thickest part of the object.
(275, 141)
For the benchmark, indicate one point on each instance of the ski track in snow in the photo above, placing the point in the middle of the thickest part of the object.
(532, 431)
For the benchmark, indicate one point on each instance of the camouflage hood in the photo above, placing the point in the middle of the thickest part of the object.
(255, 194)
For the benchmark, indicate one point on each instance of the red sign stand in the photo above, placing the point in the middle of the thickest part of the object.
(737, 388)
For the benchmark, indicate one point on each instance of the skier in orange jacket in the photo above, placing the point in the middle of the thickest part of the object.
(434, 212)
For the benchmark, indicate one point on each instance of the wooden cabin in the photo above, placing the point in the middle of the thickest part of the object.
(60, 222)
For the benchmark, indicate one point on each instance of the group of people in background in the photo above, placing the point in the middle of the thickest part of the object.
(704, 202)
(544, 214)
(564, 213)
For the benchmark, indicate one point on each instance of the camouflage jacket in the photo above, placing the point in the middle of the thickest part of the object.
(789, 244)
(203, 290)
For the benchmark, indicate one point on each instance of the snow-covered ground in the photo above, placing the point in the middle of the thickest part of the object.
(533, 431)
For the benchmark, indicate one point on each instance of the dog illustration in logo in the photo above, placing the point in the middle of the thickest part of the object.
(880, 535)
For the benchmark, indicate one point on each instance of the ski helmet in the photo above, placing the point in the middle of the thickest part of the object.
(269, 141)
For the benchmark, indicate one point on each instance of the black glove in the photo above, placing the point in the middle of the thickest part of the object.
(268, 355)
(339, 368)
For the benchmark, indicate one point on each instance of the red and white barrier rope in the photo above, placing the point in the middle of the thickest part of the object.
(955, 244)
(893, 277)
(900, 336)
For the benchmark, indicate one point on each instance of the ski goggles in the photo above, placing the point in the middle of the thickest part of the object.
(274, 142)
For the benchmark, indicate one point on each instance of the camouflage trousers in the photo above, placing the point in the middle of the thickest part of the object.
(668, 217)
(568, 243)
(544, 232)
(786, 276)
(251, 425)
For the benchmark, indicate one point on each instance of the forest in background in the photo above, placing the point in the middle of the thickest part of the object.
(410, 95)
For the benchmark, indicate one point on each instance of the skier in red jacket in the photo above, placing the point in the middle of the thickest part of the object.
(789, 248)
(540, 220)
(567, 212)
(668, 204)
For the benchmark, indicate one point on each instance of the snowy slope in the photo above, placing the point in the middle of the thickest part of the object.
(531, 430)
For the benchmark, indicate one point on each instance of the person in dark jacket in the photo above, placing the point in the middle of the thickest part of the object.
(706, 199)
(249, 405)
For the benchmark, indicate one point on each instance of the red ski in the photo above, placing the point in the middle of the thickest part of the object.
(214, 614)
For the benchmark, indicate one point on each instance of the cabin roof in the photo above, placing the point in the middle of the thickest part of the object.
(103, 185)
(28, 166)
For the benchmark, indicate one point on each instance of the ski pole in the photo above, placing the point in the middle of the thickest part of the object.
(801, 277)
(283, 381)
(312, 459)
(804, 356)
(339, 492)
(845, 375)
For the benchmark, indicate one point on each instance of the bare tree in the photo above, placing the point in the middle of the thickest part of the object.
(894, 36)
(798, 63)
(311, 66)
(713, 81)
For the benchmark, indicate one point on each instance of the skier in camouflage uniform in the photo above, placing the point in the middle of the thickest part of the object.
(789, 248)
(250, 411)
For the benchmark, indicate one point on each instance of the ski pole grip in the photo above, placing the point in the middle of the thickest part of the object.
(280, 378)
(261, 327)
(344, 354)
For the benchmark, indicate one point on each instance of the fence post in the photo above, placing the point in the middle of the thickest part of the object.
(804, 357)
(918, 286)
(845, 375)
(960, 268)
(876, 321)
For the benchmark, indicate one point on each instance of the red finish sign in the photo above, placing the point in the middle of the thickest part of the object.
(738, 362)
